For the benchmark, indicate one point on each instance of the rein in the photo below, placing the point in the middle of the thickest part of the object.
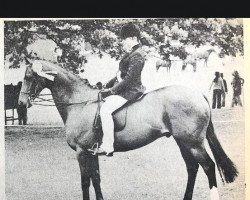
(32, 95)
(61, 103)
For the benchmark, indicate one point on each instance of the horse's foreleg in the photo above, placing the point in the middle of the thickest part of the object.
(192, 169)
(194, 68)
(82, 157)
(95, 176)
(205, 62)
(19, 114)
(25, 116)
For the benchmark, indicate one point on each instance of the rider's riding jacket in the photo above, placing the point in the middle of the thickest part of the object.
(128, 84)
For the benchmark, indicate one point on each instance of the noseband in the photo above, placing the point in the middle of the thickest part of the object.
(30, 93)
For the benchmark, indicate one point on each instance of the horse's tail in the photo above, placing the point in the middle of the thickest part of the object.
(226, 167)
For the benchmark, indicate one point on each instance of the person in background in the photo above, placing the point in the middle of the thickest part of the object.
(21, 109)
(218, 89)
(237, 84)
(223, 95)
(99, 85)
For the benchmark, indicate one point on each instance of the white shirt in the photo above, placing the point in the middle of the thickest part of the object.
(219, 85)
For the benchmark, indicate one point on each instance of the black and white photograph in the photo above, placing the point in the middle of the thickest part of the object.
(124, 108)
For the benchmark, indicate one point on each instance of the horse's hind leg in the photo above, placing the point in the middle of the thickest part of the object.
(192, 169)
(201, 156)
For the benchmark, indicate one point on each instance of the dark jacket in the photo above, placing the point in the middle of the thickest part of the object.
(237, 85)
(131, 65)
(225, 85)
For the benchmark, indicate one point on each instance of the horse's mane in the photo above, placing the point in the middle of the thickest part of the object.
(59, 67)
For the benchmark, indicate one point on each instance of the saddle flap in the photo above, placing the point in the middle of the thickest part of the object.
(119, 116)
(120, 119)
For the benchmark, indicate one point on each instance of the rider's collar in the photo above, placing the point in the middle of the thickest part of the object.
(136, 47)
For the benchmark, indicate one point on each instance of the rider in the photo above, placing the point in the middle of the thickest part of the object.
(125, 86)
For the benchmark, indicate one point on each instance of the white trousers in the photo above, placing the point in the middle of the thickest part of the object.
(111, 104)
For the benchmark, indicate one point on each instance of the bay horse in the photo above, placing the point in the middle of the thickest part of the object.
(163, 63)
(174, 111)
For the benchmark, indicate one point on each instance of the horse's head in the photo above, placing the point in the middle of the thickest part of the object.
(35, 80)
(211, 50)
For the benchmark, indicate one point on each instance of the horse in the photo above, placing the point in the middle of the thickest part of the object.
(175, 111)
(204, 55)
(190, 61)
(11, 95)
(163, 63)
(195, 57)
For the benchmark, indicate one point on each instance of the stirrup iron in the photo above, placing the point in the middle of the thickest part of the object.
(93, 150)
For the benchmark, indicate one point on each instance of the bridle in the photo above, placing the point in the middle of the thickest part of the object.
(33, 96)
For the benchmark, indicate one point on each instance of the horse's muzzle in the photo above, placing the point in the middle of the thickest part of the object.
(24, 103)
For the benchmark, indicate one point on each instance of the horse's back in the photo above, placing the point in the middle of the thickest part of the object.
(175, 94)
(172, 110)
(175, 101)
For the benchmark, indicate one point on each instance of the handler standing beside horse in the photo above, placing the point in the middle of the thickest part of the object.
(125, 86)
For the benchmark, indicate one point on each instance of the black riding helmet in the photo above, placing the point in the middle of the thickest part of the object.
(130, 30)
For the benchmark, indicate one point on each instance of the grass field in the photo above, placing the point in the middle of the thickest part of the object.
(41, 166)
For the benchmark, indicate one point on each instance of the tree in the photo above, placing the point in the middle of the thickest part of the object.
(168, 37)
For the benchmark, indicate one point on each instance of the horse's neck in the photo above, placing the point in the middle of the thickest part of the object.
(68, 90)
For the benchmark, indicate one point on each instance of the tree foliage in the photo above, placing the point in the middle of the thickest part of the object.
(169, 36)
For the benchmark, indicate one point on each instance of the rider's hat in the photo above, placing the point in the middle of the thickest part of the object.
(130, 30)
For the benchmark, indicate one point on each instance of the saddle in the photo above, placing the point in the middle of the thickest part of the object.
(119, 116)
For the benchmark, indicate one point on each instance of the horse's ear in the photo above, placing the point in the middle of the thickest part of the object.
(51, 72)
(38, 68)
(50, 75)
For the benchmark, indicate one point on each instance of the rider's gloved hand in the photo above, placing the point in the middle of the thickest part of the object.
(105, 93)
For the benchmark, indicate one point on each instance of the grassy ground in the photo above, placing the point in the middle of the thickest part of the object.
(40, 165)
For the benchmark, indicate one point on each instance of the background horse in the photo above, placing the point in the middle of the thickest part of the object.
(193, 58)
(204, 55)
(191, 61)
(163, 63)
(174, 111)
(11, 95)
